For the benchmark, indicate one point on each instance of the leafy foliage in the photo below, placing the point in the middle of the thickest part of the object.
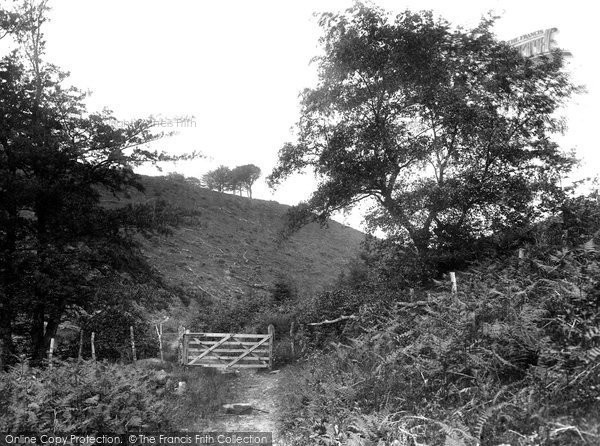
(251, 314)
(512, 358)
(244, 177)
(446, 131)
(112, 341)
(82, 397)
(240, 177)
(57, 243)
(218, 179)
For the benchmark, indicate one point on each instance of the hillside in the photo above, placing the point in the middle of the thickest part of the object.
(232, 248)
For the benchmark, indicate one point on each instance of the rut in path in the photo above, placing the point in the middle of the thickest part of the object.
(261, 391)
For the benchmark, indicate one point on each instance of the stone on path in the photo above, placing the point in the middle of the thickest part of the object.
(238, 408)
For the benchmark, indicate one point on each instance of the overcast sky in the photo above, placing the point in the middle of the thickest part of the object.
(238, 66)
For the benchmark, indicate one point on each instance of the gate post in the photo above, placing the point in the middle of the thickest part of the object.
(133, 355)
(271, 336)
(93, 346)
(184, 347)
(453, 282)
(292, 336)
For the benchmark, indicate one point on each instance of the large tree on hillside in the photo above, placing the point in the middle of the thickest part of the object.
(446, 130)
(57, 244)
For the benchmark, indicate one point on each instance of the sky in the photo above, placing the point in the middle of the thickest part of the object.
(238, 67)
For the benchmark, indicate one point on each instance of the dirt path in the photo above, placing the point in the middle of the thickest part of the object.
(261, 391)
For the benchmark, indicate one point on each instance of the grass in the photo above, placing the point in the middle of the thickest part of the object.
(205, 392)
(232, 251)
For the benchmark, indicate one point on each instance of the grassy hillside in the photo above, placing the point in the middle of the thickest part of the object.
(233, 249)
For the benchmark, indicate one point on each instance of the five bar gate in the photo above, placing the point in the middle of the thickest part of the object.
(228, 350)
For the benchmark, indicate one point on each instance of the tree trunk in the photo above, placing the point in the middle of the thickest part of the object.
(421, 240)
(38, 347)
(8, 281)
(40, 296)
(6, 343)
(420, 237)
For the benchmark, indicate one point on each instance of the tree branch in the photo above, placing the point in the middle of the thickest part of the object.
(333, 321)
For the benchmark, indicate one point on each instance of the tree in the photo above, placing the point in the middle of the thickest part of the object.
(218, 179)
(244, 177)
(58, 245)
(194, 181)
(241, 177)
(236, 181)
(446, 130)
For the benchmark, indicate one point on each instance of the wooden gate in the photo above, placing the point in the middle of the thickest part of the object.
(227, 350)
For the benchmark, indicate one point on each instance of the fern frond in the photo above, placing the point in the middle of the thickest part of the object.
(485, 416)
(593, 353)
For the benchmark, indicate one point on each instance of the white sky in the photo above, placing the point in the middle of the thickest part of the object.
(238, 67)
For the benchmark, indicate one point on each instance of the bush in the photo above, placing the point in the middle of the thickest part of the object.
(82, 397)
(235, 315)
(112, 335)
(283, 290)
(206, 390)
(282, 352)
(281, 319)
(513, 358)
(176, 177)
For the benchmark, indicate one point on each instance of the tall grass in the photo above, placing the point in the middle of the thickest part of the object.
(205, 393)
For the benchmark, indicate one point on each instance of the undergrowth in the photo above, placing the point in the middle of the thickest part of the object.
(90, 396)
(84, 396)
(513, 358)
(205, 393)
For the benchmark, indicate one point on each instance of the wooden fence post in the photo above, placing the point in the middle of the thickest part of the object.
(521, 256)
(132, 343)
(50, 352)
(271, 336)
(180, 332)
(292, 340)
(80, 353)
(184, 347)
(453, 281)
(159, 332)
(93, 346)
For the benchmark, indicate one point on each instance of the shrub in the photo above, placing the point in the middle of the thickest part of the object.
(280, 318)
(82, 396)
(235, 315)
(282, 352)
(112, 335)
(176, 177)
(283, 290)
(511, 359)
(206, 390)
